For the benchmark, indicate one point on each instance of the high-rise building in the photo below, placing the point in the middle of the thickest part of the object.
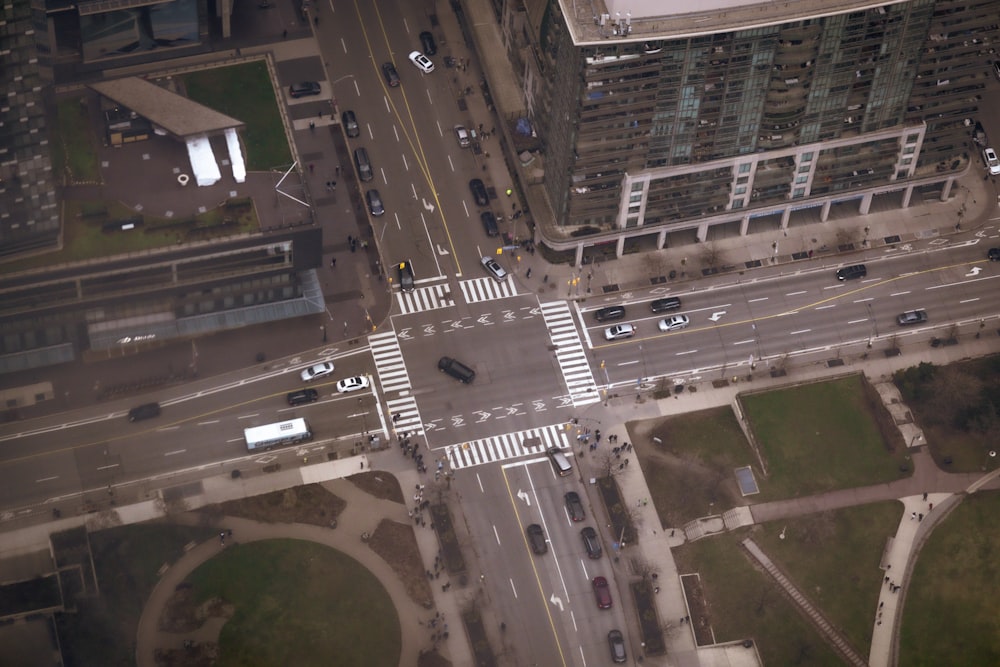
(732, 116)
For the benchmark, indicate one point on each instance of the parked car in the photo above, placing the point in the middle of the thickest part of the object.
(619, 332)
(602, 593)
(316, 371)
(462, 135)
(665, 304)
(427, 42)
(302, 396)
(852, 272)
(536, 538)
(993, 254)
(355, 383)
(992, 162)
(616, 642)
(144, 411)
(609, 313)
(350, 122)
(390, 74)
(404, 271)
(490, 223)
(591, 542)
(421, 62)
(911, 317)
(574, 507)
(494, 269)
(674, 323)
(374, 202)
(304, 89)
(478, 189)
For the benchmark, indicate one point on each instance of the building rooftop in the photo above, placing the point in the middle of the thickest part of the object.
(600, 21)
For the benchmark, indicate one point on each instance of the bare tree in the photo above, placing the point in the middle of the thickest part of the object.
(711, 254)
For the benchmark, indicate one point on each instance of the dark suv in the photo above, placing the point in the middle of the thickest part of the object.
(302, 397)
(536, 537)
(591, 542)
(852, 272)
(664, 305)
(390, 74)
(574, 506)
(427, 42)
(350, 122)
(490, 223)
(144, 411)
(609, 313)
(478, 189)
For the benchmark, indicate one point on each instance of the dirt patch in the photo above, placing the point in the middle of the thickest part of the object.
(396, 544)
(432, 659)
(310, 504)
(381, 485)
(181, 614)
(698, 608)
(192, 655)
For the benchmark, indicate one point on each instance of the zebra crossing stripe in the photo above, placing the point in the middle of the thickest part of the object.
(506, 446)
(405, 416)
(486, 289)
(570, 354)
(426, 298)
(389, 362)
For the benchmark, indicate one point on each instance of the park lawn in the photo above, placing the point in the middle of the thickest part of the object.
(299, 603)
(246, 93)
(127, 561)
(820, 437)
(833, 558)
(74, 152)
(952, 611)
(746, 603)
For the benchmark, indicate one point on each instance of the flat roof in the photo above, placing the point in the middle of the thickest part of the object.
(645, 20)
(175, 113)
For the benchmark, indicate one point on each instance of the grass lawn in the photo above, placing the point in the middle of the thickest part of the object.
(833, 559)
(952, 612)
(245, 92)
(299, 603)
(73, 151)
(745, 603)
(126, 560)
(821, 437)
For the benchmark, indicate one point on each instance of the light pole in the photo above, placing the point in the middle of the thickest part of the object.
(871, 316)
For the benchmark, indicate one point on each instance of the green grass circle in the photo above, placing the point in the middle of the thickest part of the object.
(299, 603)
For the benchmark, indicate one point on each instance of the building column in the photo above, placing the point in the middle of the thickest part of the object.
(578, 262)
(661, 239)
(866, 204)
(744, 225)
(620, 247)
(824, 212)
(702, 232)
(786, 215)
(908, 193)
(946, 190)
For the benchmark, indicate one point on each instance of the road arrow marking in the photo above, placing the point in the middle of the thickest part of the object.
(974, 271)
(404, 334)
(457, 421)
(428, 206)
(523, 495)
(717, 315)
(484, 319)
(428, 329)
(483, 416)
(557, 601)
(442, 251)
(539, 406)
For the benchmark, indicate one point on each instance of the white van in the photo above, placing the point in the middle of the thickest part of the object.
(559, 462)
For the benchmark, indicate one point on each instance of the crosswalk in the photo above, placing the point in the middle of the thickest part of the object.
(405, 416)
(389, 362)
(486, 289)
(425, 298)
(534, 441)
(570, 353)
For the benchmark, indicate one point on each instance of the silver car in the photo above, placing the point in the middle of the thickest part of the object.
(494, 269)
(674, 323)
(317, 371)
(619, 332)
(462, 135)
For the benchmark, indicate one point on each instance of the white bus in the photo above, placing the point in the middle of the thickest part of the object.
(275, 435)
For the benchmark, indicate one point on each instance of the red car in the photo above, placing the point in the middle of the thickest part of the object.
(602, 593)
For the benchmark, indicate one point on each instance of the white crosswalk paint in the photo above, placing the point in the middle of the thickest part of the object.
(506, 446)
(389, 363)
(425, 298)
(570, 354)
(486, 289)
(405, 416)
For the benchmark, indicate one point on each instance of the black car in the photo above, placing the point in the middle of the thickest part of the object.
(390, 74)
(574, 506)
(350, 123)
(478, 189)
(591, 542)
(852, 272)
(616, 642)
(374, 200)
(144, 411)
(665, 305)
(302, 396)
(490, 223)
(536, 537)
(609, 313)
(993, 254)
(405, 273)
(304, 89)
(427, 42)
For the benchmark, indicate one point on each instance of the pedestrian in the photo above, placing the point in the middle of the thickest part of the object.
(925, 495)
(333, 262)
(337, 170)
(920, 517)
(545, 278)
(672, 532)
(930, 507)
(311, 168)
(880, 604)
(528, 274)
(312, 125)
(284, 34)
(913, 515)
(333, 185)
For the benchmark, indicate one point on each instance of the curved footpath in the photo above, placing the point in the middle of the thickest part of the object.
(363, 513)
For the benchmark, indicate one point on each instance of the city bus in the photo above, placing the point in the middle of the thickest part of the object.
(276, 435)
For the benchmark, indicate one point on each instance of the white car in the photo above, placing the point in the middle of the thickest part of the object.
(422, 62)
(992, 163)
(494, 269)
(353, 384)
(462, 135)
(619, 332)
(674, 323)
(317, 371)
